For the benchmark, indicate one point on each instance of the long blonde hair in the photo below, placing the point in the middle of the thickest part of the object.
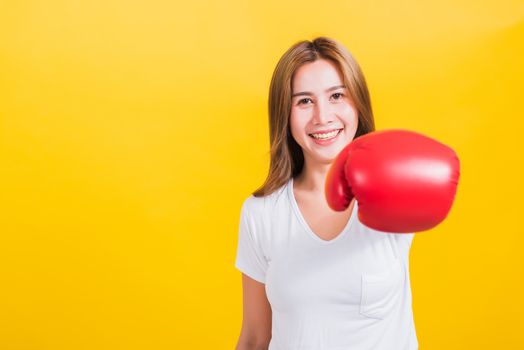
(286, 156)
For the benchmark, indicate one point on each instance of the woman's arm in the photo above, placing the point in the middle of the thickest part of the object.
(256, 321)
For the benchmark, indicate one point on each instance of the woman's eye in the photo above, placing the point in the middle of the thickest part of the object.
(337, 96)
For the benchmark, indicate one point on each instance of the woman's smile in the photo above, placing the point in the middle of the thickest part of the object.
(325, 138)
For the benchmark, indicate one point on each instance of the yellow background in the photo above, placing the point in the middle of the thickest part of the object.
(131, 132)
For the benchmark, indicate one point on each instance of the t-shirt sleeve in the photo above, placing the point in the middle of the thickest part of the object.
(250, 259)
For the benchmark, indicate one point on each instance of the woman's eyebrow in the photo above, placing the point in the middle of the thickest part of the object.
(307, 93)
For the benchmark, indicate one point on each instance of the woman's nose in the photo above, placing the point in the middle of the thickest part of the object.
(322, 113)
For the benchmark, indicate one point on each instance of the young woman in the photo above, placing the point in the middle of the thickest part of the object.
(314, 278)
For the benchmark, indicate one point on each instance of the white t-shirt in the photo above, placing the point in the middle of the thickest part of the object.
(351, 292)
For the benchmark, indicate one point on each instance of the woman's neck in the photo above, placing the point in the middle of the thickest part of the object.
(313, 181)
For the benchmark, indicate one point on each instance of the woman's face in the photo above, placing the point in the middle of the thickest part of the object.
(319, 103)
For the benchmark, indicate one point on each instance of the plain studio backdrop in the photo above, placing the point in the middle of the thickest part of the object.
(131, 132)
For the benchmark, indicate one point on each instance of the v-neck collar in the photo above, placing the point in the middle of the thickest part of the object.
(306, 226)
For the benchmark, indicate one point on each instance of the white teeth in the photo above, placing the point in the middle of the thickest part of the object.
(325, 136)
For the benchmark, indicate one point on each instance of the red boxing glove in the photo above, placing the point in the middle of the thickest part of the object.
(403, 181)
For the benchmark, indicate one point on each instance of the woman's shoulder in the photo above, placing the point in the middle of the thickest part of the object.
(262, 205)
